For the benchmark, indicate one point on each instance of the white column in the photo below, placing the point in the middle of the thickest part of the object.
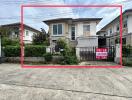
(118, 54)
(78, 53)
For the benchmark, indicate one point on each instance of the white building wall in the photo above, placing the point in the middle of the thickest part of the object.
(79, 28)
(89, 41)
(28, 38)
(114, 28)
(129, 24)
(69, 31)
(93, 28)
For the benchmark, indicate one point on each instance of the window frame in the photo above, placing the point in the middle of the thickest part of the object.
(86, 25)
(57, 29)
(26, 33)
(110, 30)
(118, 27)
(125, 23)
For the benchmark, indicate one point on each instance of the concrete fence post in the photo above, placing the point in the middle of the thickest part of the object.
(48, 50)
(78, 53)
(117, 53)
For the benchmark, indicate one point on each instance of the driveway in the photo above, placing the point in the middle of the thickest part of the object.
(64, 84)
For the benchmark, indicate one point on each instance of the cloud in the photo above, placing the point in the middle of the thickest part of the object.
(32, 16)
(37, 15)
(10, 11)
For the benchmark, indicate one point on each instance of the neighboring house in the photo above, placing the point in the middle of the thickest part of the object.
(79, 32)
(0, 46)
(15, 32)
(111, 32)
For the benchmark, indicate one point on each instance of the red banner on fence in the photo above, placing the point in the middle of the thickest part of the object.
(101, 53)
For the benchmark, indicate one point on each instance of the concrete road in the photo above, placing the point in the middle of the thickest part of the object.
(64, 84)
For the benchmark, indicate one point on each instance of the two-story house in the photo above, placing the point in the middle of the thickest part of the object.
(79, 32)
(111, 32)
(0, 46)
(14, 32)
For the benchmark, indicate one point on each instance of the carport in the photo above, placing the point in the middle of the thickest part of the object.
(102, 41)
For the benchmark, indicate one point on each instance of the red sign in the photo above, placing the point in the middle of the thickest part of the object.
(101, 53)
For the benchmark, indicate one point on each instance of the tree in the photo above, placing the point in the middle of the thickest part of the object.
(69, 55)
(40, 38)
(5, 31)
(5, 40)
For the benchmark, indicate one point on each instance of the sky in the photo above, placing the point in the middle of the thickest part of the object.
(10, 11)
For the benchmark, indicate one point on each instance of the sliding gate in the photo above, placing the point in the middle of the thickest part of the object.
(90, 53)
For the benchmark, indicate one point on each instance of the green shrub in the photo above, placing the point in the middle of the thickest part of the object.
(68, 53)
(127, 51)
(48, 57)
(6, 41)
(127, 61)
(30, 51)
(46, 43)
(12, 51)
(61, 43)
(70, 60)
(34, 50)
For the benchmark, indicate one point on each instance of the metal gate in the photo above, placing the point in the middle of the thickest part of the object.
(89, 53)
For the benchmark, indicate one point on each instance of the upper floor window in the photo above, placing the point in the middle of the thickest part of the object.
(57, 29)
(16, 34)
(125, 24)
(86, 28)
(27, 33)
(117, 28)
(110, 30)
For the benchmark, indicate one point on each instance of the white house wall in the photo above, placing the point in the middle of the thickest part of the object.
(29, 38)
(79, 32)
(93, 29)
(90, 41)
(129, 24)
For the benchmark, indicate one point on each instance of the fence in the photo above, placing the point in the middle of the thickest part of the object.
(127, 51)
(127, 55)
(89, 53)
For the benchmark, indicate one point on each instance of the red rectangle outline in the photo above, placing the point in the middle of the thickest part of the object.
(72, 6)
